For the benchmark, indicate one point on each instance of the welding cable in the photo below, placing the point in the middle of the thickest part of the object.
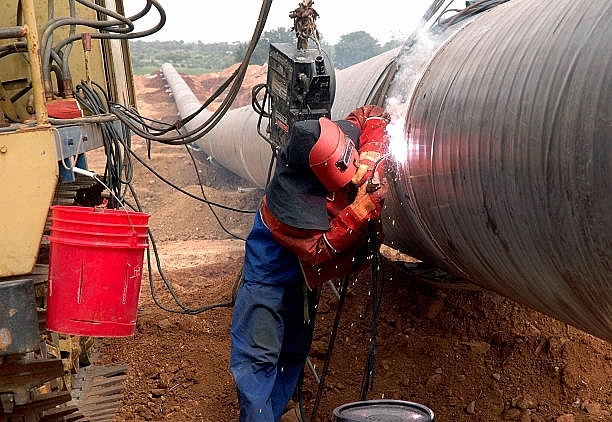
(65, 56)
(187, 137)
(184, 309)
(330, 348)
(257, 106)
(91, 101)
(102, 118)
(433, 9)
(104, 35)
(230, 82)
(378, 283)
(46, 44)
(146, 123)
(153, 132)
(16, 47)
(237, 78)
(260, 109)
(140, 125)
(212, 210)
(115, 144)
(59, 78)
(113, 25)
(271, 165)
(120, 28)
(471, 10)
(160, 134)
(118, 32)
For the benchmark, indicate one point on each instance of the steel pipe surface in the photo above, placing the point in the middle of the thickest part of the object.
(509, 159)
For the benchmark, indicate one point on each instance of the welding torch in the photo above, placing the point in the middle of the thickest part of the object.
(373, 183)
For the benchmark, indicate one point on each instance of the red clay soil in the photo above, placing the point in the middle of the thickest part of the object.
(467, 354)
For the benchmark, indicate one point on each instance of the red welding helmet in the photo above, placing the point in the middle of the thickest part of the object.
(333, 158)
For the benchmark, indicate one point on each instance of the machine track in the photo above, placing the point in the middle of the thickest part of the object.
(33, 390)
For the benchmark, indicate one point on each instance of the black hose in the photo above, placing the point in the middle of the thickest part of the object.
(330, 348)
(376, 292)
(236, 81)
(120, 27)
(115, 144)
(212, 210)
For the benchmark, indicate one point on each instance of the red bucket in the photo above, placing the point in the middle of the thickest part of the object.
(95, 270)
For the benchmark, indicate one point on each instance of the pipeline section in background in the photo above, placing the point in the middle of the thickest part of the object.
(509, 142)
(234, 142)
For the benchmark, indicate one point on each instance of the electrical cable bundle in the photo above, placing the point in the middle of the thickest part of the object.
(162, 134)
(113, 141)
(56, 58)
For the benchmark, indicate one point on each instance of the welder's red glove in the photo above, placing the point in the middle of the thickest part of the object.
(360, 115)
(373, 144)
(368, 205)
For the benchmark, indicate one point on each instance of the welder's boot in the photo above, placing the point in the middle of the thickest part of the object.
(292, 413)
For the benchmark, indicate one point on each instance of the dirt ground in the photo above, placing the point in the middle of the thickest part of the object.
(467, 354)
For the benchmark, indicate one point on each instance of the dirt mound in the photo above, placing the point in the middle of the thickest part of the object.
(469, 355)
(205, 85)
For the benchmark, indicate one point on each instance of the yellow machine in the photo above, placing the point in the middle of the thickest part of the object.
(61, 62)
(32, 143)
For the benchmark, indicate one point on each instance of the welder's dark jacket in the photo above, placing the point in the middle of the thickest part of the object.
(325, 254)
(319, 227)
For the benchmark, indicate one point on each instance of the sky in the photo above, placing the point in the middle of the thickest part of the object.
(235, 20)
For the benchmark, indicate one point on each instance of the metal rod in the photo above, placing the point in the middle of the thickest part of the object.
(40, 107)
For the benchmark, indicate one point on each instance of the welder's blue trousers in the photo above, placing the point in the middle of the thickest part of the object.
(270, 338)
(270, 343)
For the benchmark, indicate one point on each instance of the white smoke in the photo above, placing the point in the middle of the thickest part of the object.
(412, 61)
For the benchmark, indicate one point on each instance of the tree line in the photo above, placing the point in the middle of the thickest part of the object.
(197, 57)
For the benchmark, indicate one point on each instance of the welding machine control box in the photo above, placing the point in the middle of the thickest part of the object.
(301, 85)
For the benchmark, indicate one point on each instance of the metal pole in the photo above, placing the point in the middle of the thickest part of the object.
(31, 33)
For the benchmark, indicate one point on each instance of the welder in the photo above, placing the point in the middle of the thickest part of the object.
(327, 189)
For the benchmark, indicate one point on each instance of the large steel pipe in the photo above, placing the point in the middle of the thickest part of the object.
(507, 179)
(508, 143)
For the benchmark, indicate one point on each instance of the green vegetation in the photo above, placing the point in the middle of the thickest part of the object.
(190, 58)
(197, 58)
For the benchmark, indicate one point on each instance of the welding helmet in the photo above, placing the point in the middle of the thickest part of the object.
(334, 157)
